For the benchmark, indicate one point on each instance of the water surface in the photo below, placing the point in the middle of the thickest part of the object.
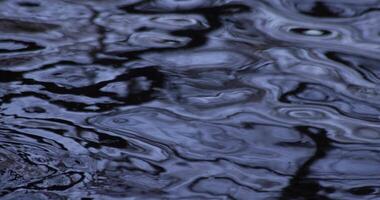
(190, 99)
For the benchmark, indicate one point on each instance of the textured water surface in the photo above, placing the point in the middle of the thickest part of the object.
(190, 99)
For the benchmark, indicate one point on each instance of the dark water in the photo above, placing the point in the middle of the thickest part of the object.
(190, 99)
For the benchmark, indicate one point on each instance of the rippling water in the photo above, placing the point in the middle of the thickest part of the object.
(190, 99)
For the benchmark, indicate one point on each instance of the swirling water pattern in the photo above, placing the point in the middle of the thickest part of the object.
(190, 99)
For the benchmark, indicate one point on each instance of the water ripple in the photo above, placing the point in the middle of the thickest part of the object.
(173, 99)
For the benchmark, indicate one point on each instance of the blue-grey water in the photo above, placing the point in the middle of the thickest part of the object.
(190, 99)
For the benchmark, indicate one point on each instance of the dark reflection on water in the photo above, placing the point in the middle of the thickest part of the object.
(189, 99)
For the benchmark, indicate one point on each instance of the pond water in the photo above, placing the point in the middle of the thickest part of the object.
(190, 99)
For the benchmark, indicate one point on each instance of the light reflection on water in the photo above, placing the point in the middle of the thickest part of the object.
(170, 99)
